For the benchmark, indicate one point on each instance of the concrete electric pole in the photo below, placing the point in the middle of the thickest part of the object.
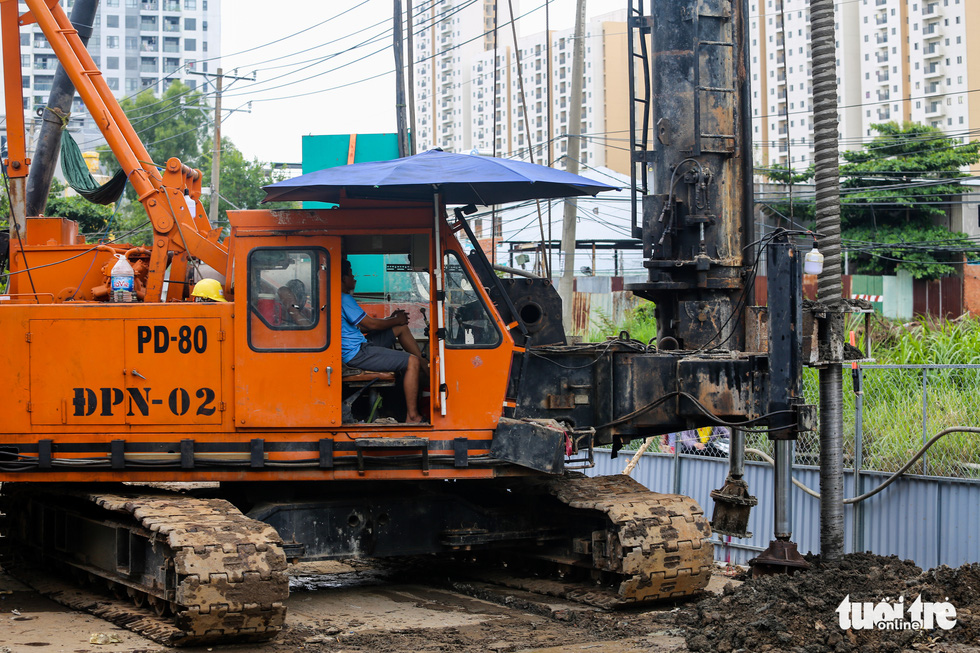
(216, 151)
(566, 284)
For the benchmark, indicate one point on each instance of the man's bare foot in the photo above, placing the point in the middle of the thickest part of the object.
(416, 419)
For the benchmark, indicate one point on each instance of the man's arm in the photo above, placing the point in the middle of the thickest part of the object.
(398, 318)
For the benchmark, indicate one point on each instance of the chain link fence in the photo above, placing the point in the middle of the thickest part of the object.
(901, 407)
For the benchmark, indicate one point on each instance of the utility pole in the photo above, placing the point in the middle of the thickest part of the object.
(566, 284)
(411, 77)
(216, 151)
(216, 155)
(551, 122)
(400, 81)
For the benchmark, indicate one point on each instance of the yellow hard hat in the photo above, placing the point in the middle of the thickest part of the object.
(209, 289)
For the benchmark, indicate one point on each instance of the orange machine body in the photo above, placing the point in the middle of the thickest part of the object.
(190, 384)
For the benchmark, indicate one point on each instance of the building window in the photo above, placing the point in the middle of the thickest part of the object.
(190, 24)
(112, 21)
(190, 45)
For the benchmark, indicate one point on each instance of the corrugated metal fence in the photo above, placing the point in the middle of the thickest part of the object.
(930, 520)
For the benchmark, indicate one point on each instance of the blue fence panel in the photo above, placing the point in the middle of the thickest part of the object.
(959, 541)
(931, 520)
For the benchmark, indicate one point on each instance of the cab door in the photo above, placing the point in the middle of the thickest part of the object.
(287, 370)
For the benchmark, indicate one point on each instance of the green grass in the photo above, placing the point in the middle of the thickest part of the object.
(640, 324)
(927, 342)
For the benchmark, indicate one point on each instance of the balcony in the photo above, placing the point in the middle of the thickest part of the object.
(881, 57)
(881, 19)
(171, 24)
(930, 9)
(934, 109)
(150, 5)
(933, 70)
(171, 5)
(883, 95)
(933, 89)
(882, 76)
(148, 24)
(931, 30)
(884, 114)
(934, 49)
(881, 38)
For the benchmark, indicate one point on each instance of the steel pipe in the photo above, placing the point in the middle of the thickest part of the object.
(784, 489)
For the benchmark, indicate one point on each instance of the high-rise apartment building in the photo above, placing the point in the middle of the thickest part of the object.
(138, 44)
(898, 60)
(447, 39)
(469, 96)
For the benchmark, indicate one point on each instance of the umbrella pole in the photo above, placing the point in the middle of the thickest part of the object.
(440, 312)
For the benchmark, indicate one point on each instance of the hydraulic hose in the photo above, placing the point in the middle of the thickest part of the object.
(891, 479)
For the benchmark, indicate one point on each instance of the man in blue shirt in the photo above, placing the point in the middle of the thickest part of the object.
(375, 351)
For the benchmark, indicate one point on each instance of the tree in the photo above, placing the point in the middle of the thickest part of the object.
(892, 192)
(796, 211)
(174, 125)
(178, 125)
(241, 180)
(91, 218)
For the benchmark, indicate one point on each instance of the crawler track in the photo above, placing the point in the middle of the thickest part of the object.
(653, 547)
(210, 574)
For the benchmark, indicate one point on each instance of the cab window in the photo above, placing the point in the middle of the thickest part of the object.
(284, 297)
(389, 281)
(468, 323)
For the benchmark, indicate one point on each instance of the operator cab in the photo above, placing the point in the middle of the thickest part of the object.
(289, 369)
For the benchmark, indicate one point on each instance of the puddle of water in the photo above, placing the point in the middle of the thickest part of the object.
(361, 578)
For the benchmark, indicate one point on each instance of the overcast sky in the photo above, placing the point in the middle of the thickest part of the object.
(311, 82)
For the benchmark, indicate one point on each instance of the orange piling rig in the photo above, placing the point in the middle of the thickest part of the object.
(165, 389)
(149, 380)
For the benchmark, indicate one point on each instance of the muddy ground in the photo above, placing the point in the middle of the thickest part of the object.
(799, 613)
(340, 608)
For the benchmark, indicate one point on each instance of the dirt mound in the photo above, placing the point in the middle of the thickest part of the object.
(798, 613)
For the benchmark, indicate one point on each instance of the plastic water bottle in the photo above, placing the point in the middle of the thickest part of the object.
(122, 281)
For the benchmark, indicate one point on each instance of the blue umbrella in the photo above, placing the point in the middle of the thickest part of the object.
(458, 178)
